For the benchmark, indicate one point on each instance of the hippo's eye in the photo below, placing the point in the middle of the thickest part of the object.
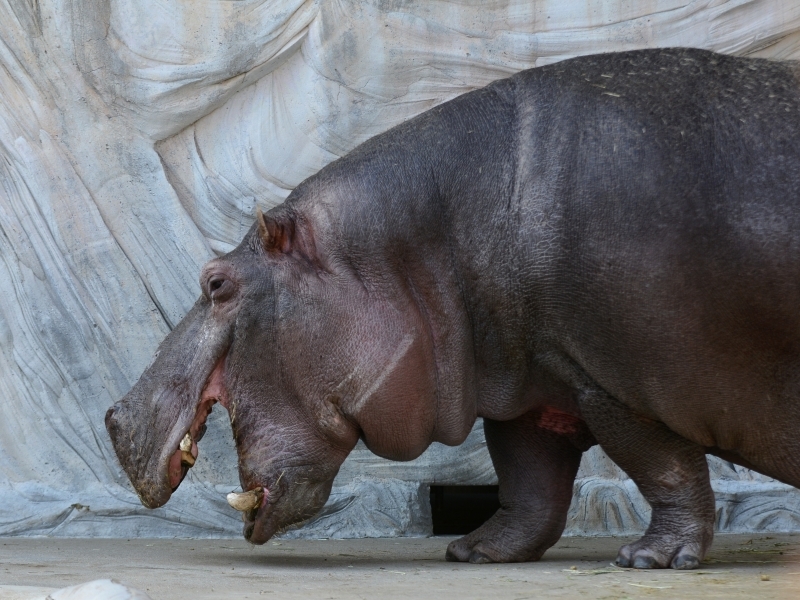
(219, 288)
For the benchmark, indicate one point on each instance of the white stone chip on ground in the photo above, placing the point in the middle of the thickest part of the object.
(99, 589)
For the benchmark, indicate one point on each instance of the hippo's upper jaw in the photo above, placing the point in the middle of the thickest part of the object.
(155, 428)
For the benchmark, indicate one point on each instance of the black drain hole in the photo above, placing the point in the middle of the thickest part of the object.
(458, 509)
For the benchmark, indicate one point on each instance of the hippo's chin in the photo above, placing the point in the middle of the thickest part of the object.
(263, 522)
(285, 506)
(260, 526)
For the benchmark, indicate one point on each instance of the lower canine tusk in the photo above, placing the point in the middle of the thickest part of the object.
(246, 500)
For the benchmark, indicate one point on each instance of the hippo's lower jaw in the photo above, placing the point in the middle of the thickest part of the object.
(292, 497)
(260, 521)
(187, 452)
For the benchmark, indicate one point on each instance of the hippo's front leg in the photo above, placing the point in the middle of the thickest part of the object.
(536, 458)
(670, 471)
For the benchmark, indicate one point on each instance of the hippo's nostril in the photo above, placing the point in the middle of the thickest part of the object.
(109, 417)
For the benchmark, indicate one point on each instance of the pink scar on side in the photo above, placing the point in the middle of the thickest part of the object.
(559, 421)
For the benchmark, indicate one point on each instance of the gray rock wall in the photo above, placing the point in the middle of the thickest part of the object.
(136, 139)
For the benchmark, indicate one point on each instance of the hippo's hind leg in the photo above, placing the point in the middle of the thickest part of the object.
(671, 473)
(536, 468)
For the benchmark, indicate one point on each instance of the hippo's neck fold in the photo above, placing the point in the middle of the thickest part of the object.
(405, 211)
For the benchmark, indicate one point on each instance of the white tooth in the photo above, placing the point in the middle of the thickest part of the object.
(246, 500)
(186, 442)
(187, 458)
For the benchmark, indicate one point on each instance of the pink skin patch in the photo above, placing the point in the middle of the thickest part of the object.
(214, 390)
(176, 469)
(559, 421)
(264, 498)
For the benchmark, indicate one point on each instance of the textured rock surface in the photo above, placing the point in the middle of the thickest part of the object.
(136, 139)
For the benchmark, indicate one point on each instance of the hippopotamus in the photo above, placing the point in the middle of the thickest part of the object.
(605, 250)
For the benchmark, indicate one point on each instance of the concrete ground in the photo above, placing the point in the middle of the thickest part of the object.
(753, 566)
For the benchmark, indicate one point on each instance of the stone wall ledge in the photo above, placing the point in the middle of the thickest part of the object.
(364, 507)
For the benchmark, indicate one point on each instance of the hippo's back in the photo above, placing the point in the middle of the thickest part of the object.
(662, 190)
(686, 131)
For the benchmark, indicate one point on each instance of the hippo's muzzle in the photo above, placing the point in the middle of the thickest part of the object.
(155, 428)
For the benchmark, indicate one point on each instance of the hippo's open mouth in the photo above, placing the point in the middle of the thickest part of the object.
(251, 502)
(187, 452)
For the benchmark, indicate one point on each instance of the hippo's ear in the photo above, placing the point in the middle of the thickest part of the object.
(282, 235)
(276, 234)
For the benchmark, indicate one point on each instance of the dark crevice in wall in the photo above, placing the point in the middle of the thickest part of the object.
(459, 509)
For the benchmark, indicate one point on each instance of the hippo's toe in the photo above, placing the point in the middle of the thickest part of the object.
(477, 557)
(685, 560)
(659, 552)
(457, 551)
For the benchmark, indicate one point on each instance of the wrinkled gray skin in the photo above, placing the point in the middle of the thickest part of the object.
(605, 250)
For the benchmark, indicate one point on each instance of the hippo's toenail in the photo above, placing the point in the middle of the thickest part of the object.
(479, 558)
(685, 562)
(644, 562)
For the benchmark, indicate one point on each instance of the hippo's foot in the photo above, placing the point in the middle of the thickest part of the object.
(670, 471)
(535, 467)
(503, 538)
(662, 551)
